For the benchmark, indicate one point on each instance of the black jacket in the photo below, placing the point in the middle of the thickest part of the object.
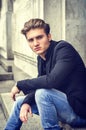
(63, 70)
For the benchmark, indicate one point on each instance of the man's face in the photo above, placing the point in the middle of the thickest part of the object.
(38, 41)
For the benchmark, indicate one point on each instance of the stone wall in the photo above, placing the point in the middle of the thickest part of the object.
(48, 10)
(24, 58)
(54, 14)
(76, 25)
(66, 18)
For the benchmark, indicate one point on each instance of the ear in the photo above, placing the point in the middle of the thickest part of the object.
(49, 37)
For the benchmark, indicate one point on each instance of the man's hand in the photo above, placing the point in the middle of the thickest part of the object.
(14, 91)
(25, 109)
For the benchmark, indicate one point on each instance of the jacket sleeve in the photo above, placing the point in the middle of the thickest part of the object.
(30, 98)
(65, 63)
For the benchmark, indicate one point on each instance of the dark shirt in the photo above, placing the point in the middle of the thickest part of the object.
(63, 70)
(43, 67)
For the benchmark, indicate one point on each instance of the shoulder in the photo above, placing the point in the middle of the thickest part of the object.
(63, 45)
(65, 49)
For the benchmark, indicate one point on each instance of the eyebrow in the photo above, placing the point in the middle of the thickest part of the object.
(39, 36)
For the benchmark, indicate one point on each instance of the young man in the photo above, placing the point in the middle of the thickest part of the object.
(59, 91)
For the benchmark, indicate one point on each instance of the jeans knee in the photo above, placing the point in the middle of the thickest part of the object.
(19, 101)
(41, 95)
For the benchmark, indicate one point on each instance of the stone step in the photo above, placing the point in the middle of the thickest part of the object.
(6, 64)
(6, 86)
(4, 75)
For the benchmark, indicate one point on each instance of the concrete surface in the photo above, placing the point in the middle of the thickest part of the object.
(4, 75)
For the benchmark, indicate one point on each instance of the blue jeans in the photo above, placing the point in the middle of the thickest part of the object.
(53, 107)
(14, 122)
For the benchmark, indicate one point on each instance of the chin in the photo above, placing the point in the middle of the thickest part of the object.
(39, 53)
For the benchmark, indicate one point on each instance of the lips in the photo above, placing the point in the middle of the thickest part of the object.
(37, 49)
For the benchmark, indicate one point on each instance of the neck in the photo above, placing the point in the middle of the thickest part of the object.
(43, 57)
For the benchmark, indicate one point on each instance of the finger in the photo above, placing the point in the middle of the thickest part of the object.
(23, 118)
(26, 116)
(30, 112)
(12, 96)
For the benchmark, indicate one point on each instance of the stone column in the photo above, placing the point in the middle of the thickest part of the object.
(9, 28)
(54, 13)
(76, 25)
(5, 26)
(0, 7)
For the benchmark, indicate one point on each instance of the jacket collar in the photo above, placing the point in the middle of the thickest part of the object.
(50, 49)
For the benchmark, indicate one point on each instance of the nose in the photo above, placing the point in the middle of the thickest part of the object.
(35, 42)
